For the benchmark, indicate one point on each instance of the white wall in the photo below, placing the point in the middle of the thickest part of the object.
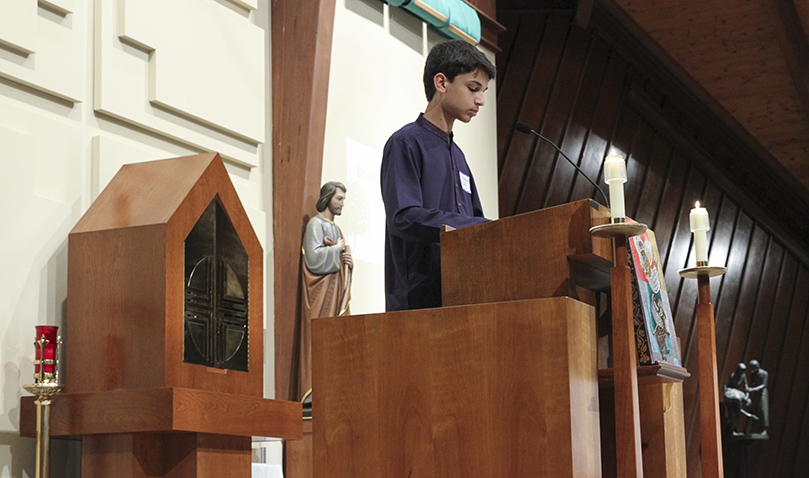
(375, 88)
(86, 86)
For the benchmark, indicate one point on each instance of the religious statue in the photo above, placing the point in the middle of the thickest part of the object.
(736, 397)
(749, 399)
(759, 401)
(325, 274)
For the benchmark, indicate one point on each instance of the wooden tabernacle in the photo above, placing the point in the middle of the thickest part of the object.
(140, 407)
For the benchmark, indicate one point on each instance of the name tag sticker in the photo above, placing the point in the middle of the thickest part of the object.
(465, 184)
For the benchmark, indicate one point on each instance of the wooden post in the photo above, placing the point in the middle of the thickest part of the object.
(625, 362)
(710, 430)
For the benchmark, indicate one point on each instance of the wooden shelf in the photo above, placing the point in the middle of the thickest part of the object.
(170, 409)
(648, 374)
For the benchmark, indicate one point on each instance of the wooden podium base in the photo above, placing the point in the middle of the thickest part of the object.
(166, 432)
(490, 390)
(298, 455)
(165, 455)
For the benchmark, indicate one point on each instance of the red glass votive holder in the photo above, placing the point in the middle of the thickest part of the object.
(45, 354)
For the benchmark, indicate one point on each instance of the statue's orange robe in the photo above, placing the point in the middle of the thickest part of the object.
(322, 295)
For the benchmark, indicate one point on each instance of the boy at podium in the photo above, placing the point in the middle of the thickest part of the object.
(426, 182)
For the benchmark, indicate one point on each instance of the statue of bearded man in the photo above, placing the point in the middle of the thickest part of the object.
(325, 271)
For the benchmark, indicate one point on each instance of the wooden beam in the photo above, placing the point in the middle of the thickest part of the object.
(489, 26)
(794, 45)
(584, 8)
(301, 58)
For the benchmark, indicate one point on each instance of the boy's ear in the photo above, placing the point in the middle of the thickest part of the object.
(441, 82)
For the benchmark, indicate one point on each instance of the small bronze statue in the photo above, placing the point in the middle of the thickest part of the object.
(760, 405)
(748, 400)
(736, 397)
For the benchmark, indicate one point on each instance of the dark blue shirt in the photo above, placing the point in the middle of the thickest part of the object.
(426, 184)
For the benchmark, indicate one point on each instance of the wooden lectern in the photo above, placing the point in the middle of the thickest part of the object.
(501, 381)
(164, 340)
(458, 392)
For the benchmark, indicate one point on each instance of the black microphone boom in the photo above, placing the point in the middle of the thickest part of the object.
(524, 128)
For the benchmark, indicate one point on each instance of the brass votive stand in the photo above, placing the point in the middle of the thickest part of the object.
(46, 385)
(629, 459)
(709, 424)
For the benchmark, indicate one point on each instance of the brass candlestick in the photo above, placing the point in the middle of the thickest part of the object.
(45, 386)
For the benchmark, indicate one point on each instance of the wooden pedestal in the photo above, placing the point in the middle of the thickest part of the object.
(165, 455)
(165, 432)
(142, 406)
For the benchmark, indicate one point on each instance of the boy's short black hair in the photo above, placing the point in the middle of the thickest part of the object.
(453, 58)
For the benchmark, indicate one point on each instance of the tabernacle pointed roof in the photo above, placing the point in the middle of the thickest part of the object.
(152, 192)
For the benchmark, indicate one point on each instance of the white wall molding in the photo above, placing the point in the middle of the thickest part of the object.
(40, 46)
(190, 70)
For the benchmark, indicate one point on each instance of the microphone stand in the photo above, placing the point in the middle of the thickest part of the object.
(524, 128)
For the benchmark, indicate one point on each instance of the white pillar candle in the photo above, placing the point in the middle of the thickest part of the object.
(699, 226)
(615, 176)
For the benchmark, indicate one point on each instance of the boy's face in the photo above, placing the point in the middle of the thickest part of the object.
(463, 97)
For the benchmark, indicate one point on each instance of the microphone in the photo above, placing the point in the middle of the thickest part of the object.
(524, 128)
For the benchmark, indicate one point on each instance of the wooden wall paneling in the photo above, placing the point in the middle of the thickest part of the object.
(506, 42)
(781, 315)
(763, 317)
(686, 154)
(801, 463)
(557, 122)
(795, 403)
(301, 52)
(778, 321)
(637, 163)
(605, 117)
(783, 376)
(649, 200)
(743, 316)
(728, 303)
(577, 128)
(521, 151)
(512, 83)
(583, 115)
